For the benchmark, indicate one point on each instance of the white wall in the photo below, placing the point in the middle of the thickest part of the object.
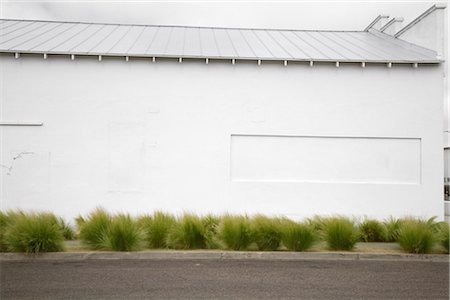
(138, 136)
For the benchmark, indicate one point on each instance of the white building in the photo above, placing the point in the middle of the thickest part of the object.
(142, 118)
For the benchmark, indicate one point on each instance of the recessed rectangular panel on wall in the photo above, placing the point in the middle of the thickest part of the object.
(126, 154)
(325, 159)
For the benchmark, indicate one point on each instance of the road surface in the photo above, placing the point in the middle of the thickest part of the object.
(223, 279)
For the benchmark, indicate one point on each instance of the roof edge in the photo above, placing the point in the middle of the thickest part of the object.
(179, 26)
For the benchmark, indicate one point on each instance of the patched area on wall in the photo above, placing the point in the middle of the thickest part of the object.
(325, 159)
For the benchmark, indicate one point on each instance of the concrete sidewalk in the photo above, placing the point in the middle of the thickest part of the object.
(223, 255)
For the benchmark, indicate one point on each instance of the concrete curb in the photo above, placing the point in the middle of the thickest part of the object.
(223, 255)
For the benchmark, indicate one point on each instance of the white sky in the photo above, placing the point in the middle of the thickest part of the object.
(336, 15)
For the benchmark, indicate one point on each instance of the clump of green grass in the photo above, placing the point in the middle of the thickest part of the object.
(211, 223)
(123, 234)
(235, 232)
(4, 222)
(156, 229)
(317, 223)
(340, 233)
(392, 229)
(34, 233)
(444, 235)
(297, 236)
(372, 231)
(93, 229)
(188, 233)
(66, 229)
(416, 236)
(266, 233)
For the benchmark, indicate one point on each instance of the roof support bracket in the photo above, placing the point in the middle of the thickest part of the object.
(311, 63)
(180, 60)
(259, 62)
(233, 61)
(389, 65)
(363, 64)
(285, 63)
(45, 55)
(153, 59)
(127, 58)
(207, 60)
(99, 58)
(16, 55)
(415, 65)
(72, 56)
(337, 64)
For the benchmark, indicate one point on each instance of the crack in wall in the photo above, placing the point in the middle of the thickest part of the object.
(19, 155)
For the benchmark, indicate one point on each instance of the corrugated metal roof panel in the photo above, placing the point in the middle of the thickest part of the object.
(30, 36)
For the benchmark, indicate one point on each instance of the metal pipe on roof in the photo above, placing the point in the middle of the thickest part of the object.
(392, 21)
(375, 21)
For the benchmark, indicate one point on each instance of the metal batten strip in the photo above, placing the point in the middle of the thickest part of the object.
(341, 45)
(300, 38)
(394, 44)
(168, 40)
(255, 33)
(200, 44)
(403, 44)
(35, 37)
(14, 22)
(137, 39)
(86, 39)
(102, 40)
(215, 42)
(51, 38)
(376, 47)
(249, 46)
(278, 43)
(357, 46)
(295, 45)
(22, 27)
(232, 44)
(184, 42)
(332, 50)
(71, 37)
(121, 38)
(25, 33)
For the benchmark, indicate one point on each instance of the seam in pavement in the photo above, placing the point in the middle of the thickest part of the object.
(224, 255)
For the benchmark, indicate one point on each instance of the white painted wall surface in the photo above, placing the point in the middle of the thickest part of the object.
(139, 136)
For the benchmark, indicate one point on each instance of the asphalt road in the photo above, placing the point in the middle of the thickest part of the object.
(223, 279)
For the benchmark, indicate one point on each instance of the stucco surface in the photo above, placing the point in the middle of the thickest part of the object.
(139, 136)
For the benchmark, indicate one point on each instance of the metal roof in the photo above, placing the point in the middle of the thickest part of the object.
(77, 38)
